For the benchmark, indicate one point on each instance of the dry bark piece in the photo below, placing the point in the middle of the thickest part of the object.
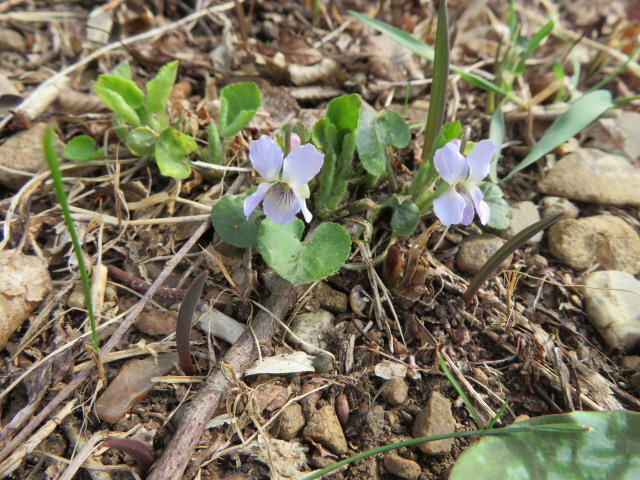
(132, 384)
(24, 282)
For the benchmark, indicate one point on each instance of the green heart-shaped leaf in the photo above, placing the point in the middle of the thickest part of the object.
(239, 102)
(303, 262)
(500, 211)
(610, 449)
(172, 149)
(81, 148)
(230, 222)
(406, 216)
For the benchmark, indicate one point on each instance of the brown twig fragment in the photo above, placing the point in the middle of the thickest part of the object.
(175, 458)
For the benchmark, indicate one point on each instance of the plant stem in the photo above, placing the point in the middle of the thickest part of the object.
(58, 186)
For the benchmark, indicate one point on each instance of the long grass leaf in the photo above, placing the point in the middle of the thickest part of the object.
(578, 116)
(507, 249)
(58, 186)
(425, 51)
(183, 326)
(438, 101)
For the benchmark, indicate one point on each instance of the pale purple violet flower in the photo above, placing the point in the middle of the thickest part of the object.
(457, 204)
(283, 194)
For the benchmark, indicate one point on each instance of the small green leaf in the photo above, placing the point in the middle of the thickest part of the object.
(239, 102)
(142, 141)
(303, 262)
(159, 88)
(117, 104)
(371, 148)
(126, 89)
(171, 151)
(230, 222)
(500, 212)
(81, 148)
(406, 216)
(579, 115)
(395, 129)
(344, 113)
(609, 449)
(123, 71)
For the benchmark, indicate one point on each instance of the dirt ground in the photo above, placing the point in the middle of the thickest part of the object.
(525, 340)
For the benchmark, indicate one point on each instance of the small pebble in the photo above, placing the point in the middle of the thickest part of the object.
(401, 467)
(395, 391)
(475, 252)
(289, 423)
(324, 428)
(435, 418)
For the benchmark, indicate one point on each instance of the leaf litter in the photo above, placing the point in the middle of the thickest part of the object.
(526, 344)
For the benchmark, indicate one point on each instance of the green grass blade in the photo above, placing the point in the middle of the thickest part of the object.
(438, 100)
(427, 52)
(579, 115)
(553, 427)
(460, 391)
(507, 249)
(56, 176)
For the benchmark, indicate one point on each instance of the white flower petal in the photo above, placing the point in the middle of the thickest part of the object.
(482, 207)
(281, 204)
(479, 159)
(294, 141)
(305, 211)
(449, 207)
(468, 213)
(253, 200)
(301, 165)
(450, 164)
(266, 157)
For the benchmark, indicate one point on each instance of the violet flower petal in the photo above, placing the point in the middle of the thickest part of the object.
(469, 212)
(479, 159)
(482, 207)
(449, 207)
(253, 200)
(281, 204)
(303, 208)
(450, 164)
(294, 141)
(266, 157)
(301, 165)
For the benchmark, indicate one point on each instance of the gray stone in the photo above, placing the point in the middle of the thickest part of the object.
(289, 423)
(395, 391)
(617, 135)
(612, 303)
(23, 152)
(311, 328)
(589, 175)
(552, 205)
(435, 418)
(475, 252)
(523, 214)
(401, 467)
(324, 428)
(601, 239)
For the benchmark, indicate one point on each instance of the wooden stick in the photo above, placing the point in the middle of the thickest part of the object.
(175, 458)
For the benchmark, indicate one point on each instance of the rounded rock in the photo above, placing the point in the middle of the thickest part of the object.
(475, 252)
(434, 419)
(401, 467)
(395, 391)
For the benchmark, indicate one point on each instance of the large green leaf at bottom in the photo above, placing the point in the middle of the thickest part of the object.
(303, 262)
(233, 226)
(609, 450)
